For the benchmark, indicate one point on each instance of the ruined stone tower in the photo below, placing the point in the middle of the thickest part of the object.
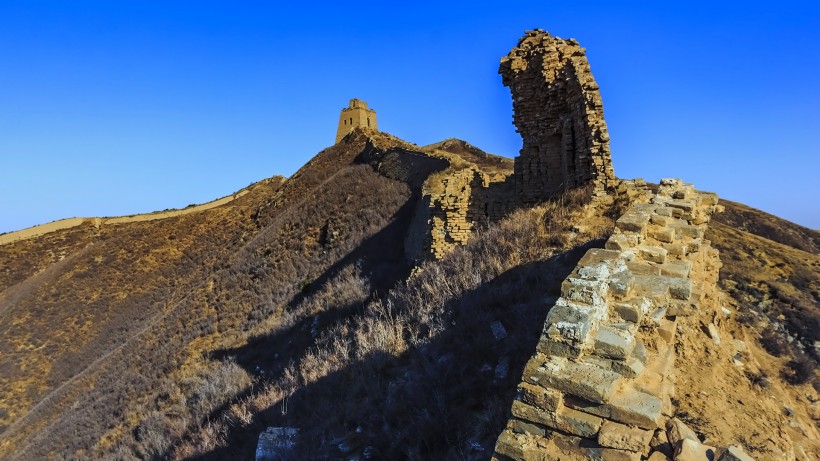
(355, 115)
(559, 114)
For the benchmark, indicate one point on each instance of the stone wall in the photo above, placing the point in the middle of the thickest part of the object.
(456, 203)
(559, 113)
(42, 229)
(451, 220)
(600, 383)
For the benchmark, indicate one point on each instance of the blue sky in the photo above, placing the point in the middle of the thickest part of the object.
(111, 108)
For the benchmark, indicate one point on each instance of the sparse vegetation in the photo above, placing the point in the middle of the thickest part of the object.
(758, 379)
(774, 342)
(184, 338)
(411, 374)
(800, 370)
(135, 310)
(771, 270)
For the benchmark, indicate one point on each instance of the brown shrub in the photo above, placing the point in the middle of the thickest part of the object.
(774, 341)
(800, 370)
(410, 375)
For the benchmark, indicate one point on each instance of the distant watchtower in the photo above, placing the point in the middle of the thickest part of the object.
(354, 116)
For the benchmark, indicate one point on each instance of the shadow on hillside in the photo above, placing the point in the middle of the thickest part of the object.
(442, 398)
(380, 259)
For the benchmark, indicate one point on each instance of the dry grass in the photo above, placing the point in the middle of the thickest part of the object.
(772, 270)
(148, 299)
(410, 375)
(762, 224)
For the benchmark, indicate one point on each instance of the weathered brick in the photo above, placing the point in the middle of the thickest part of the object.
(540, 397)
(620, 284)
(653, 254)
(519, 426)
(618, 242)
(624, 437)
(631, 406)
(628, 311)
(581, 379)
(613, 342)
(663, 235)
(633, 221)
(676, 268)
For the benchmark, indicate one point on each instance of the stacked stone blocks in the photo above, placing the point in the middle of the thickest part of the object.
(559, 112)
(451, 224)
(601, 381)
(458, 203)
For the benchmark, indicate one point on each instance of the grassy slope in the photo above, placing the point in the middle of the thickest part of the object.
(102, 352)
(764, 370)
(413, 375)
(771, 267)
(762, 224)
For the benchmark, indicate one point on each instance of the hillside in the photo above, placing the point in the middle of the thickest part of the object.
(762, 224)
(771, 271)
(105, 327)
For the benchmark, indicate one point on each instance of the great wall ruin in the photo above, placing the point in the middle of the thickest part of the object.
(559, 113)
(68, 223)
(600, 383)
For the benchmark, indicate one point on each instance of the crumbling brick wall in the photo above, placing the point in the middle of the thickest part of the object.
(559, 113)
(598, 385)
(450, 222)
(456, 203)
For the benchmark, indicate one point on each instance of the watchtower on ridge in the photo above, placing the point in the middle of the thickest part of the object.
(357, 114)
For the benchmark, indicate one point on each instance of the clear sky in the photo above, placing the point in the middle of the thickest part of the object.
(120, 107)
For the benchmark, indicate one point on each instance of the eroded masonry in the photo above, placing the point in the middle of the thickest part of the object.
(600, 383)
(559, 112)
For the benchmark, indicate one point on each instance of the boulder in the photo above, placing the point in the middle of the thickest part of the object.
(276, 443)
(691, 450)
(735, 453)
(623, 437)
(677, 430)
